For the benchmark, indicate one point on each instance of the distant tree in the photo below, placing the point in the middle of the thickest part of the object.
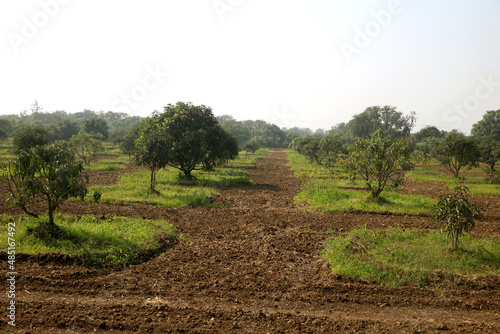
(323, 150)
(385, 118)
(270, 135)
(66, 129)
(489, 151)
(242, 132)
(427, 145)
(251, 146)
(489, 126)
(429, 132)
(96, 126)
(456, 151)
(28, 136)
(127, 142)
(48, 172)
(379, 160)
(309, 147)
(86, 147)
(456, 213)
(5, 128)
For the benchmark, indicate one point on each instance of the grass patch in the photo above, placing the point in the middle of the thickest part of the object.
(116, 241)
(103, 166)
(477, 185)
(325, 195)
(171, 192)
(328, 189)
(482, 189)
(396, 257)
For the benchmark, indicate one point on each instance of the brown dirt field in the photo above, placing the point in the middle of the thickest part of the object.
(253, 267)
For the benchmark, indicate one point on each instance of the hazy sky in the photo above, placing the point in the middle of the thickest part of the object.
(305, 63)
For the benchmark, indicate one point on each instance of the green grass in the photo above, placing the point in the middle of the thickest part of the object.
(247, 160)
(329, 190)
(324, 195)
(483, 189)
(477, 185)
(171, 192)
(396, 257)
(116, 241)
(119, 159)
(102, 166)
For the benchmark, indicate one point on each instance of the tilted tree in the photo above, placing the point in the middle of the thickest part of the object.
(50, 173)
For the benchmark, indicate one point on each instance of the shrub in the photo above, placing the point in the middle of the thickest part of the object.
(456, 213)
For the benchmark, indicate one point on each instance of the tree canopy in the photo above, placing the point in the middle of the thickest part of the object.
(186, 137)
(386, 118)
(489, 126)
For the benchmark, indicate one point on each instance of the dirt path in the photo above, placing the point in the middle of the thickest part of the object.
(254, 267)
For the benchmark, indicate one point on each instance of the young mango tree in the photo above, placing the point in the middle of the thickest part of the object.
(455, 151)
(379, 160)
(456, 213)
(50, 173)
(150, 148)
(86, 147)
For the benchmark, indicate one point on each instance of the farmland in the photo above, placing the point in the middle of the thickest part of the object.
(250, 260)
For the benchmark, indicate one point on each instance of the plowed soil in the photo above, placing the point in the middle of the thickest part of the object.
(252, 267)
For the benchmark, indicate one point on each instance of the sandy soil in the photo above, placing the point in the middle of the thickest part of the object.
(252, 267)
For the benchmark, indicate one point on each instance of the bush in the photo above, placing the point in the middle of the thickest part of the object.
(456, 213)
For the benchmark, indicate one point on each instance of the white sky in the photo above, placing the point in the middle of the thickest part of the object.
(290, 62)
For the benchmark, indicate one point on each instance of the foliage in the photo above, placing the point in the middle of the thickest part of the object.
(48, 172)
(151, 147)
(86, 147)
(489, 151)
(222, 147)
(379, 160)
(251, 146)
(28, 136)
(65, 129)
(186, 137)
(96, 126)
(428, 132)
(488, 126)
(127, 142)
(324, 150)
(5, 128)
(456, 213)
(386, 119)
(456, 151)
